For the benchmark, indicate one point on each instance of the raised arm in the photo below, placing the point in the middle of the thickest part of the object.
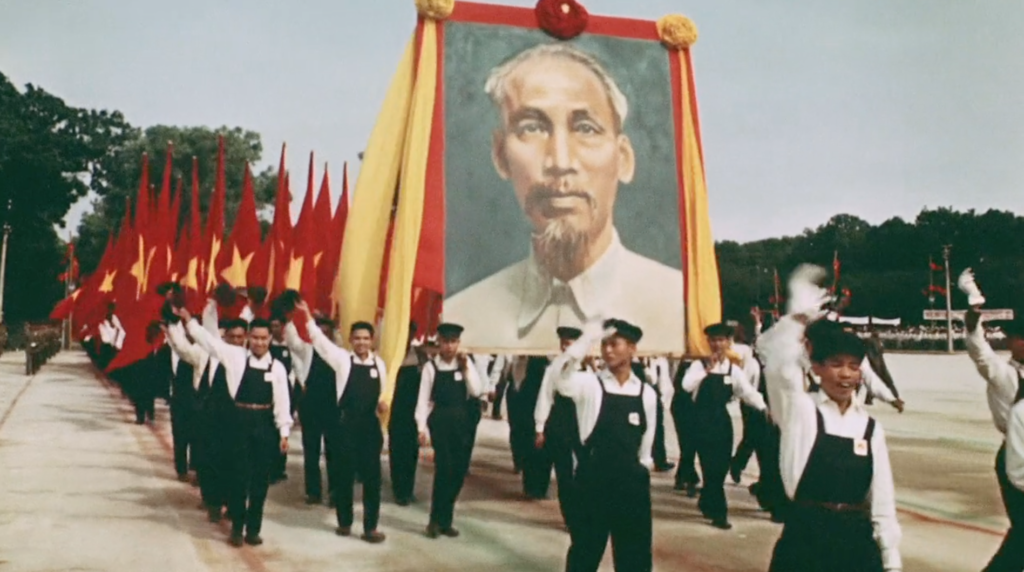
(339, 359)
(216, 347)
(997, 371)
(302, 352)
(185, 349)
(883, 504)
(563, 368)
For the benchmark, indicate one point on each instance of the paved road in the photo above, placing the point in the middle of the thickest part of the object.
(83, 488)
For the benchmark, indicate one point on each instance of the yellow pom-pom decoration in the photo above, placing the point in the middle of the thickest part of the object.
(435, 9)
(677, 31)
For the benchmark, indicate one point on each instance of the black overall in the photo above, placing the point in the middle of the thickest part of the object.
(357, 445)
(183, 415)
(1010, 557)
(449, 433)
(213, 444)
(713, 434)
(318, 412)
(686, 427)
(280, 353)
(403, 436)
(562, 444)
(614, 489)
(535, 463)
(257, 444)
(828, 524)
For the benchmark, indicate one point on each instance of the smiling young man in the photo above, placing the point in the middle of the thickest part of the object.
(258, 387)
(355, 438)
(446, 384)
(616, 414)
(1006, 401)
(834, 460)
(713, 383)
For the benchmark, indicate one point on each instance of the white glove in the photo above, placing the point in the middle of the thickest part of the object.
(806, 297)
(595, 330)
(968, 286)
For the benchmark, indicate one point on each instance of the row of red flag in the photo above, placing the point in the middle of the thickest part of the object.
(152, 248)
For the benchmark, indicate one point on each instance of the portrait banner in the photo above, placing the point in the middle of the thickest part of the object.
(562, 182)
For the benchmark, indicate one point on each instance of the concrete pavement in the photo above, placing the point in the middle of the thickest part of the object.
(83, 488)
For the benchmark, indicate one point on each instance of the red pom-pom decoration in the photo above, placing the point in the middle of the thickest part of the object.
(563, 19)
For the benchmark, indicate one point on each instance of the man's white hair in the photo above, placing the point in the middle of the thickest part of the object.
(496, 83)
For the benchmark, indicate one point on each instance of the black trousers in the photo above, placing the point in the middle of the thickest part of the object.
(683, 419)
(316, 424)
(714, 445)
(771, 493)
(658, 451)
(142, 392)
(562, 460)
(537, 472)
(182, 432)
(1010, 557)
(499, 398)
(617, 504)
(256, 446)
(750, 443)
(404, 452)
(449, 433)
(356, 450)
(474, 413)
(520, 429)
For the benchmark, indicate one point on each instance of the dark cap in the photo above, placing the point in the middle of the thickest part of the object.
(324, 321)
(449, 331)
(719, 331)
(625, 330)
(567, 333)
(837, 343)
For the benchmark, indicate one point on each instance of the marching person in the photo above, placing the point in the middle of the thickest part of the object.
(183, 413)
(535, 464)
(871, 385)
(403, 436)
(876, 358)
(279, 350)
(213, 407)
(616, 412)
(356, 439)
(258, 386)
(661, 381)
(447, 383)
(686, 478)
(834, 459)
(149, 375)
(1006, 401)
(558, 431)
(713, 383)
(318, 406)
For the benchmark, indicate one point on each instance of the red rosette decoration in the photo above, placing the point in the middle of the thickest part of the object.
(563, 19)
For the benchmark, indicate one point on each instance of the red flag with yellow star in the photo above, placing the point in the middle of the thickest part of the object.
(301, 235)
(240, 248)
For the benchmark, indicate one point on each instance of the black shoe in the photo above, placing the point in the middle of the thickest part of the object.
(343, 531)
(736, 474)
(403, 502)
(236, 539)
(450, 532)
(721, 523)
(374, 537)
(691, 490)
(433, 531)
(314, 500)
(664, 468)
(253, 540)
(183, 478)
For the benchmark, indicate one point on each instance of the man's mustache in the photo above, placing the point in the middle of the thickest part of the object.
(542, 193)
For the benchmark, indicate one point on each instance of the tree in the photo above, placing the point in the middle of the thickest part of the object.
(124, 167)
(51, 155)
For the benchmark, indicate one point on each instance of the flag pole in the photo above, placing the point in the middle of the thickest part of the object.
(65, 326)
(3, 258)
(949, 302)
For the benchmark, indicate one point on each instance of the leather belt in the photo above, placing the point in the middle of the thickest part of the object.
(254, 406)
(863, 507)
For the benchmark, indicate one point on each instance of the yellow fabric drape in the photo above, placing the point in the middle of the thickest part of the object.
(409, 218)
(357, 285)
(704, 295)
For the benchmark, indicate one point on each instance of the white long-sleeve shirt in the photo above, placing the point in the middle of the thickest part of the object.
(1015, 446)
(659, 371)
(341, 359)
(112, 332)
(735, 377)
(501, 363)
(302, 353)
(425, 402)
(585, 389)
(795, 411)
(1001, 375)
(191, 353)
(546, 397)
(235, 359)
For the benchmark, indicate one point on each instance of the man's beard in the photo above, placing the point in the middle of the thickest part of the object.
(561, 245)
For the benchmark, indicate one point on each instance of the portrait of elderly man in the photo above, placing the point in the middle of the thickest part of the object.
(562, 147)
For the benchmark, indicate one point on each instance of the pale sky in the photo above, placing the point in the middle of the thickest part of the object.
(808, 108)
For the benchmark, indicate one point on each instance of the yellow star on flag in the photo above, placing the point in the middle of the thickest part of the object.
(211, 274)
(239, 269)
(138, 269)
(108, 281)
(191, 280)
(293, 281)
